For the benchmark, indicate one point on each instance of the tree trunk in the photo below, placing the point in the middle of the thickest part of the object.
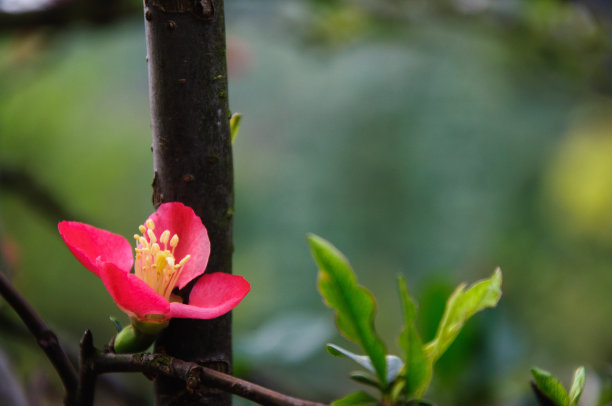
(192, 160)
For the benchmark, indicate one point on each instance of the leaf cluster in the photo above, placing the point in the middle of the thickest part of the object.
(399, 380)
(550, 391)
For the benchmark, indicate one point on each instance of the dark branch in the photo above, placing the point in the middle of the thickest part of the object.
(110, 384)
(46, 338)
(68, 12)
(87, 378)
(195, 376)
(192, 161)
(35, 194)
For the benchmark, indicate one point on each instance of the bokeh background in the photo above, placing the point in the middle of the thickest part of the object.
(437, 139)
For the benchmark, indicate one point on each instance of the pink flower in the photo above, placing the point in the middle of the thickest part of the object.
(172, 250)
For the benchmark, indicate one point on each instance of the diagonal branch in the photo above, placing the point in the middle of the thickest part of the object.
(34, 193)
(47, 340)
(195, 376)
(110, 384)
(197, 379)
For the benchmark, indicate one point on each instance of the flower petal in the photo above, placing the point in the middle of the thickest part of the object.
(131, 294)
(212, 296)
(193, 238)
(88, 243)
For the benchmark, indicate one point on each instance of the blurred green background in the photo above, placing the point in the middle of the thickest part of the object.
(437, 139)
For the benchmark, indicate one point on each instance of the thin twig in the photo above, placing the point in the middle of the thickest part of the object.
(47, 340)
(88, 375)
(195, 376)
(110, 384)
(93, 362)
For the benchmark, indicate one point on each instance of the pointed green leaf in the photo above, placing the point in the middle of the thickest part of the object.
(394, 364)
(356, 399)
(396, 390)
(234, 125)
(577, 386)
(116, 323)
(354, 304)
(365, 378)
(461, 305)
(362, 360)
(541, 398)
(417, 373)
(550, 386)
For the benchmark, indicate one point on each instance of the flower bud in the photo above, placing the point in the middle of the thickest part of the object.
(138, 336)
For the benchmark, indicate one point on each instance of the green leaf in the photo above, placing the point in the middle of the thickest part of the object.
(394, 364)
(356, 399)
(418, 370)
(541, 398)
(461, 305)
(577, 386)
(364, 378)
(116, 323)
(550, 387)
(396, 390)
(362, 360)
(354, 305)
(234, 125)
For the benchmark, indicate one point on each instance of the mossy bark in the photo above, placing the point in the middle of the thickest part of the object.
(192, 162)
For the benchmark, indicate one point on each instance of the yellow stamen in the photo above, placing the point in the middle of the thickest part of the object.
(143, 242)
(155, 263)
(174, 241)
(184, 260)
(151, 235)
(164, 238)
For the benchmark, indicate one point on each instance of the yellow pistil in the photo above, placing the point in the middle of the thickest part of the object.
(155, 263)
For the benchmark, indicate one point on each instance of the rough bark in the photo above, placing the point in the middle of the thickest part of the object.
(192, 163)
(194, 376)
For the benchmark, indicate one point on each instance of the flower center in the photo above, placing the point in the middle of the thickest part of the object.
(155, 263)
